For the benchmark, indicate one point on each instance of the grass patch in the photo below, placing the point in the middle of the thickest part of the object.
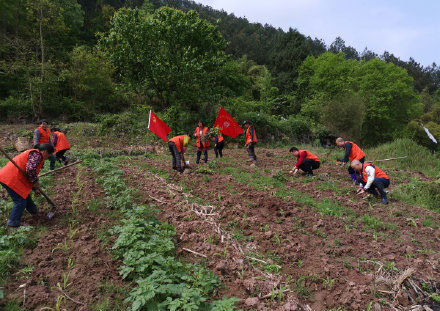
(421, 193)
(419, 158)
(375, 223)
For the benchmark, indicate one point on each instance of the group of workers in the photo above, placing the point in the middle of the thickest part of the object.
(178, 145)
(46, 146)
(367, 176)
(53, 146)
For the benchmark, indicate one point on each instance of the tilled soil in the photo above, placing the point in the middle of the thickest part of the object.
(333, 261)
(69, 260)
(258, 240)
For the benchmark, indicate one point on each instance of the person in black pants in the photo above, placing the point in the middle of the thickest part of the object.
(177, 146)
(219, 144)
(307, 161)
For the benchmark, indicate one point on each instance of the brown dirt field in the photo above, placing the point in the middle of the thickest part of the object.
(257, 236)
(333, 256)
(69, 252)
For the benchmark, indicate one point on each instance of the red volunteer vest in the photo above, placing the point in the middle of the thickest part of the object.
(220, 138)
(199, 143)
(14, 179)
(178, 140)
(356, 153)
(44, 135)
(378, 172)
(62, 143)
(309, 155)
(248, 136)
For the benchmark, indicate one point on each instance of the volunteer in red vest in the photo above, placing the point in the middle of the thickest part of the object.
(202, 141)
(219, 144)
(18, 186)
(251, 141)
(61, 145)
(373, 179)
(177, 147)
(352, 152)
(42, 136)
(307, 161)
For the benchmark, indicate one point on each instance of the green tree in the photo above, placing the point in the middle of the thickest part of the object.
(90, 79)
(174, 53)
(324, 79)
(390, 100)
(290, 51)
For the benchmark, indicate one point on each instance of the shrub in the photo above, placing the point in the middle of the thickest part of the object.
(15, 109)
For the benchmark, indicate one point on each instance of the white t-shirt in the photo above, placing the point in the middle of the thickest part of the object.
(371, 173)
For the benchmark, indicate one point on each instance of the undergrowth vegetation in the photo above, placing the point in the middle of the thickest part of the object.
(146, 247)
(11, 245)
(418, 158)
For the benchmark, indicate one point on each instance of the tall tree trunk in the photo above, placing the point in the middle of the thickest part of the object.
(31, 93)
(40, 106)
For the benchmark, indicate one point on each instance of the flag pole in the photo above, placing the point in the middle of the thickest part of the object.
(149, 119)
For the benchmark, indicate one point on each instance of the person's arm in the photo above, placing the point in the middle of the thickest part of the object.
(216, 140)
(34, 160)
(348, 147)
(301, 158)
(36, 137)
(55, 139)
(371, 172)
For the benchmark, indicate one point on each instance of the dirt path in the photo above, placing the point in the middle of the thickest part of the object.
(70, 265)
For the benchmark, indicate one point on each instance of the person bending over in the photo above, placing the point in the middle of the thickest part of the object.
(307, 161)
(61, 145)
(352, 152)
(177, 147)
(20, 186)
(373, 179)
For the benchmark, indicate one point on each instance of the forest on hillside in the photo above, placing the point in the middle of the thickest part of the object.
(109, 61)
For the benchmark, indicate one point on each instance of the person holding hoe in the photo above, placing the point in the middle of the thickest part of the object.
(307, 161)
(61, 145)
(178, 145)
(20, 186)
(373, 179)
(251, 141)
(352, 152)
(42, 136)
(201, 135)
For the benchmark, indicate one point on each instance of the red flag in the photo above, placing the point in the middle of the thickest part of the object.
(226, 124)
(158, 127)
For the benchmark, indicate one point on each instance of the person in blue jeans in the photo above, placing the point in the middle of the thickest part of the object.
(19, 186)
(20, 205)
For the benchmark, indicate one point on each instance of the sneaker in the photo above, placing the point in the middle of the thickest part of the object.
(310, 174)
(384, 200)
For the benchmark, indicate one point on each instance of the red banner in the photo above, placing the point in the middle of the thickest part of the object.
(226, 124)
(158, 127)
